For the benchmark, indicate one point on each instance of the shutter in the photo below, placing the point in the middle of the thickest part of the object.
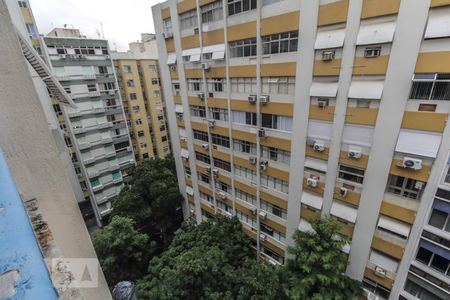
(184, 153)
(393, 225)
(171, 58)
(418, 143)
(324, 89)
(319, 130)
(358, 135)
(366, 89)
(344, 211)
(438, 23)
(316, 164)
(376, 33)
(189, 190)
(312, 200)
(383, 261)
(330, 39)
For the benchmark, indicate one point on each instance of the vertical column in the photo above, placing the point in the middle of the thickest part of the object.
(309, 10)
(406, 44)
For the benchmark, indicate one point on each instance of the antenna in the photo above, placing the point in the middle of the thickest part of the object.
(98, 33)
(103, 32)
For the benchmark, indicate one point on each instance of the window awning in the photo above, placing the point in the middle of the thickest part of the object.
(190, 52)
(323, 89)
(316, 164)
(393, 225)
(184, 153)
(219, 55)
(343, 211)
(312, 200)
(189, 190)
(182, 132)
(319, 130)
(358, 135)
(438, 23)
(376, 33)
(171, 58)
(366, 89)
(330, 39)
(418, 143)
(195, 58)
(383, 261)
(213, 48)
(179, 108)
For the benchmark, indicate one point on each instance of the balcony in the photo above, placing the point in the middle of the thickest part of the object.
(105, 125)
(386, 281)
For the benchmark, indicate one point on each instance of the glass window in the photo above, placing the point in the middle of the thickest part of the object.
(198, 111)
(276, 154)
(278, 85)
(188, 19)
(243, 48)
(431, 87)
(200, 135)
(222, 164)
(244, 146)
(220, 140)
(212, 12)
(280, 43)
(403, 186)
(219, 114)
(438, 219)
(238, 6)
(351, 174)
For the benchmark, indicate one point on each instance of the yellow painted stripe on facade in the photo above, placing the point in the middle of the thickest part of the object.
(276, 143)
(274, 248)
(241, 31)
(398, 212)
(274, 200)
(275, 225)
(242, 105)
(243, 135)
(351, 197)
(427, 121)
(431, 62)
(244, 187)
(333, 13)
(165, 13)
(320, 155)
(279, 69)
(371, 66)
(280, 23)
(387, 247)
(170, 45)
(327, 68)
(355, 162)
(376, 8)
(243, 71)
(217, 103)
(324, 114)
(244, 163)
(436, 3)
(361, 116)
(213, 37)
(319, 189)
(276, 108)
(386, 281)
(189, 42)
(274, 172)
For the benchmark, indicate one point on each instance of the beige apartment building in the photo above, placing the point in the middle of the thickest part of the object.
(139, 83)
(282, 110)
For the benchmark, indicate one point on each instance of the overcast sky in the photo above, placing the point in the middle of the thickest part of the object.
(123, 20)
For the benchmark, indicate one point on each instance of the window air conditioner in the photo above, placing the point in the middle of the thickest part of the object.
(263, 165)
(252, 160)
(201, 96)
(419, 185)
(354, 152)
(215, 171)
(343, 191)
(311, 182)
(264, 99)
(62, 56)
(262, 215)
(253, 210)
(205, 66)
(205, 146)
(412, 163)
(222, 195)
(327, 55)
(167, 35)
(262, 237)
(322, 103)
(252, 98)
(262, 133)
(319, 146)
(211, 123)
(380, 272)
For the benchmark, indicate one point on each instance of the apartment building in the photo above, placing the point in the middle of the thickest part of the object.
(282, 110)
(95, 130)
(139, 83)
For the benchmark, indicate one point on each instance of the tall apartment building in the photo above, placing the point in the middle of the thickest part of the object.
(139, 83)
(96, 131)
(284, 110)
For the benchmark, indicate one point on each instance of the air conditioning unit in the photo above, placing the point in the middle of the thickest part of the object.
(419, 185)
(343, 191)
(262, 237)
(263, 165)
(380, 272)
(262, 215)
(211, 123)
(372, 296)
(312, 182)
(201, 96)
(215, 172)
(208, 169)
(222, 195)
(62, 56)
(412, 163)
(262, 133)
(205, 66)
(319, 146)
(167, 35)
(322, 103)
(205, 146)
(327, 55)
(252, 98)
(252, 160)
(254, 210)
(264, 99)
(354, 152)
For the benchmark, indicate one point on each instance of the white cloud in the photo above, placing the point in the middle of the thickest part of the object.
(123, 20)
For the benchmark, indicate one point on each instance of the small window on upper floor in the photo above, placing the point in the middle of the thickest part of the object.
(371, 52)
(280, 42)
(427, 107)
(212, 12)
(23, 4)
(167, 25)
(127, 69)
(130, 83)
(188, 19)
(153, 68)
(238, 6)
(431, 86)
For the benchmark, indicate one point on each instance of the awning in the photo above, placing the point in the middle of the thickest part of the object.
(366, 89)
(395, 226)
(171, 58)
(190, 52)
(343, 211)
(323, 89)
(319, 130)
(376, 33)
(182, 132)
(330, 39)
(184, 153)
(195, 58)
(434, 248)
(438, 23)
(383, 261)
(218, 55)
(418, 143)
(316, 164)
(179, 108)
(213, 48)
(312, 200)
(358, 135)
(189, 190)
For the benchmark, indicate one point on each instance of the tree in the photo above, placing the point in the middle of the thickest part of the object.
(213, 260)
(316, 271)
(122, 251)
(152, 197)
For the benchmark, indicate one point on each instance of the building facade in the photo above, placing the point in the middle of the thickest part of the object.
(280, 111)
(139, 83)
(95, 131)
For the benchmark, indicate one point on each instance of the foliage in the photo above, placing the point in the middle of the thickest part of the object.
(316, 271)
(152, 197)
(213, 260)
(122, 251)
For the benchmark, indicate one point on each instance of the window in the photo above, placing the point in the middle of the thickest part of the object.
(275, 154)
(143, 145)
(141, 133)
(246, 219)
(273, 209)
(433, 260)
(219, 114)
(275, 183)
(130, 83)
(243, 85)
(273, 233)
(431, 87)
(351, 174)
(22, 4)
(222, 186)
(116, 175)
(188, 19)
(242, 117)
(216, 85)
(238, 6)
(109, 86)
(427, 107)
(194, 85)
(243, 48)
(136, 109)
(212, 12)
(103, 70)
(203, 177)
(156, 94)
(200, 135)
(440, 219)
(202, 157)
(160, 117)
(167, 25)
(224, 206)
(372, 52)
(164, 138)
(244, 196)
(198, 111)
(176, 89)
(362, 103)
(127, 69)
(162, 128)
(276, 122)
(138, 122)
(206, 197)
(245, 173)
(95, 183)
(57, 109)
(92, 87)
(220, 140)
(447, 177)
(68, 141)
(280, 43)
(33, 32)
(403, 186)
(244, 146)
(133, 96)
(278, 85)
(222, 164)
(155, 81)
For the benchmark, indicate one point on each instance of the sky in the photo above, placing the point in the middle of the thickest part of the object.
(123, 20)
